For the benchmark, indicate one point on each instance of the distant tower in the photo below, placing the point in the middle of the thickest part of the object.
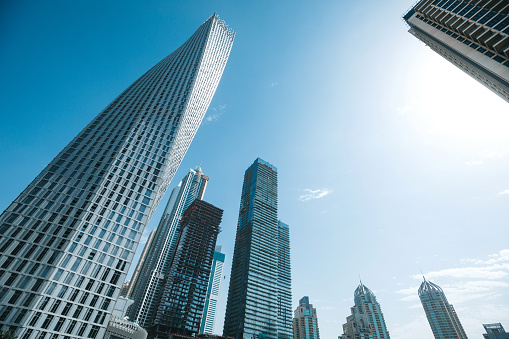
(68, 239)
(366, 308)
(305, 321)
(495, 331)
(472, 35)
(146, 290)
(441, 315)
(213, 289)
(259, 296)
(143, 256)
(182, 300)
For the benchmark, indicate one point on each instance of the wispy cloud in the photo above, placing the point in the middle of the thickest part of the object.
(474, 163)
(216, 113)
(480, 279)
(503, 192)
(314, 194)
(274, 84)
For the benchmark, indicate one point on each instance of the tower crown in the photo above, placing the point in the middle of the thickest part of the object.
(428, 286)
(363, 293)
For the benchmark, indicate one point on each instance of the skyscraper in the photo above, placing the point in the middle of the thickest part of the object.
(473, 35)
(365, 308)
(69, 237)
(213, 288)
(442, 317)
(305, 321)
(182, 301)
(147, 289)
(143, 256)
(495, 331)
(260, 284)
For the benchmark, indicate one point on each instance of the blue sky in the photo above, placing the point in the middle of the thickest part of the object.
(390, 159)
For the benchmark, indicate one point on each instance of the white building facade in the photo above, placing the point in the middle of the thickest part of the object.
(68, 239)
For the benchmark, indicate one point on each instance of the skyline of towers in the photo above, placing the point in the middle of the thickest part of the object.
(260, 280)
(147, 289)
(68, 239)
(474, 36)
(441, 315)
(213, 290)
(366, 319)
(305, 321)
(182, 299)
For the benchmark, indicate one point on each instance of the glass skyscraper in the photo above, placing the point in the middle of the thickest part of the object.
(68, 239)
(441, 315)
(305, 321)
(146, 290)
(366, 319)
(182, 300)
(259, 296)
(213, 289)
(473, 35)
(495, 331)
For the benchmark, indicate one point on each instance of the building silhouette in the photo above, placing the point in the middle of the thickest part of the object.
(68, 239)
(495, 331)
(259, 295)
(305, 321)
(180, 308)
(366, 319)
(441, 315)
(213, 289)
(147, 289)
(474, 36)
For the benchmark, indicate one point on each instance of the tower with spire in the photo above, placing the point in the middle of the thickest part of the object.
(366, 320)
(441, 315)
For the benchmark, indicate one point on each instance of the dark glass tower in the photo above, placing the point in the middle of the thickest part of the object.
(260, 284)
(148, 286)
(184, 292)
(473, 35)
(68, 239)
(441, 315)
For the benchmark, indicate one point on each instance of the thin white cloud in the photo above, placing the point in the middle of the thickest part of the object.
(314, 194)
(274, 84)
(216, 113)
(474, 163)
(503, 192)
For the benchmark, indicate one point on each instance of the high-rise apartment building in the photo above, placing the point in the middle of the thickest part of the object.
(441, 315)
(182, 301)
(472, 34)
(260, 282)
(147, 288)
(365, 308)
(213, 289)
(141, 261)
(305, 321)
(68, 239)
(495, 331)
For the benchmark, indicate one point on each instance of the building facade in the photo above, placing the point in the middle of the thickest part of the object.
(495, 331)
(473, 35)
(182, 301)
(441, 315)
(213, 289)
(366, 308)
(305, 321)
(260, 281)
(68, 239)
(147, 289)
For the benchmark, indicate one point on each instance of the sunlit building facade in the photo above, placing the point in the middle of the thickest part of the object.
(68, 239)
(214, 287)
(259, 296)
(441, 315)
(305, 321)
(473, 35)
(366, 319)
